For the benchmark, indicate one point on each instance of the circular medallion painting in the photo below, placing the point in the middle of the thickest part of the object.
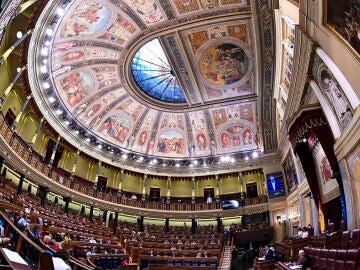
(223, 64)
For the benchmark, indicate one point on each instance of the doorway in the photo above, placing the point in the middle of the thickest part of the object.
(101, 184)
(251, 190)
(154, 194)
(209, 195)
(10, 117)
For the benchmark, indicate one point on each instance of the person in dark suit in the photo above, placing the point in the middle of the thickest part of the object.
(274, 185)
(269, 254)
(305, 261)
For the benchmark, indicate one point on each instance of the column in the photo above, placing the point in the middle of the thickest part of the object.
(17, 119)
(67, 200)
(302, 212)
(116, 223)
(54, 150)
(12, 48)
(21, 182)
(44, 192)
(11, 85)
(72, 176)
(167, 225)
(2, 160)
(33, 140)
(193, 193)
(168, 193)
(121, 178)
(91, 214)
(96, 179)
(315, 216)
(242, 193)
(104, 217)
(144, 191)
(217, 191)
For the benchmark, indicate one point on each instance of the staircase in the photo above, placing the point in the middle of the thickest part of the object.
(226, 259)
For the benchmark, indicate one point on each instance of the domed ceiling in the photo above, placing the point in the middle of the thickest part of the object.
(171, 80)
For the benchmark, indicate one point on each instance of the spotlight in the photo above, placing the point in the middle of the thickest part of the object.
(49, 32)
(60, 12)
(44, 51)
(19, 34)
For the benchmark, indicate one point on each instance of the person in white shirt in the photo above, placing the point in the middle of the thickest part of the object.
(61, 260)
(305, 233)
(92, 240)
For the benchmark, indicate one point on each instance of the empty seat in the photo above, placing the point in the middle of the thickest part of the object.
(355, 239)
(345, 239)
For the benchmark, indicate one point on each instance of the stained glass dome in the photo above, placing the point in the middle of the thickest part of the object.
(154, 75)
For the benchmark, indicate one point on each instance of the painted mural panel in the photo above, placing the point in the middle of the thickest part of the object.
(214, 93)
(198, 124)
(76, 86)
(64, 56)
(144, 134)
(89, 109)
(324, 171)
(223, 64)
(183, 7)
(119, 31)
(353, 169)
(289, 171)
(342, 17)
(116, 127)
(149, 11)
(332, 92)
(86, 19)
(172, 142)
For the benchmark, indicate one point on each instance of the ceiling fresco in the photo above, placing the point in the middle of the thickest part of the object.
(91, 79)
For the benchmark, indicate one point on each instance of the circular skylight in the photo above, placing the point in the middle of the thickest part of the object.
(154, 75)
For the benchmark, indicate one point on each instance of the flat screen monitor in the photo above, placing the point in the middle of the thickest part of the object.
(275, 185)
(231, 204)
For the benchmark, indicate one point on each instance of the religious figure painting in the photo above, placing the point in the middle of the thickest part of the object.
(219, 116)
(117, 127)
(87, 18)
(223, 64)
(76, 86)
(342, 18)
(289, 170)
(171, 142)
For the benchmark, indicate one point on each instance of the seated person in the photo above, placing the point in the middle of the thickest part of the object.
(305, 233)
(300, 233)
(269, 253)
(4, 241)
(303, 260)
(61, 260)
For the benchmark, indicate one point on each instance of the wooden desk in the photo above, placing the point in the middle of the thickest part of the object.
(6, 254)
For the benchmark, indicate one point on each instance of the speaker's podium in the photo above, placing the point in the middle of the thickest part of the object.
(12, 260)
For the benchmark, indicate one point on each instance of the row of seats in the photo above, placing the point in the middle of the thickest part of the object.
(146, 261)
